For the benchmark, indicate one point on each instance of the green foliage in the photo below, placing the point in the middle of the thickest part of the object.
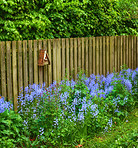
(11, 131)
(69, 113)
(34, 19)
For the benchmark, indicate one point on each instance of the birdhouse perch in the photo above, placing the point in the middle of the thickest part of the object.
(43, 58)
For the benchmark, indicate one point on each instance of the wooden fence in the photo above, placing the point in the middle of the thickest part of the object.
(97, 55)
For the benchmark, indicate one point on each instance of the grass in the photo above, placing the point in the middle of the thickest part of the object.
(124, 134)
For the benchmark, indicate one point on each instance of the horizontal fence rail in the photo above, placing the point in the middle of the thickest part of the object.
(95, 55)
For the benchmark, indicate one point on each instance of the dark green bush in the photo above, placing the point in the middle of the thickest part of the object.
(34, 19)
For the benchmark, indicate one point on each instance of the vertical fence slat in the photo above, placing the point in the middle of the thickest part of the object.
(111, 53)
(119, 52)
(83, 65)
(49, 66)
(101, 54)
(30, 62)
(3, 70)
(132, 57)
(14, 74)
(35, 63)
(97, 55)
(75, 58)
(20, 75)
(86, 56)
(126, 47)
(0, 70)
(90, 56)
(79, 54)
(130, 51)
(104, 69)
(71, 57)
(25, 64)
(116, 54)
(123, 50)
(9, 74)
(67, 57)
(40, 67)
(54, 59)
(46, 66)
(59, 60)
(93, 50)
(107, 55)
(63, 58)
(134, 53)
(137, 50)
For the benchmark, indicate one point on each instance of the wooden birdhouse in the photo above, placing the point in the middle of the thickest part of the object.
(43, 58)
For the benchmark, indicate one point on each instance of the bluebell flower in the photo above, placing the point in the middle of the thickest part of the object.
(5, 105)
(116, 111)
(81, 116)
(128, 84)
(133, 75)
(55, 122)
(125, 99)
(110, 122)
(136, 69)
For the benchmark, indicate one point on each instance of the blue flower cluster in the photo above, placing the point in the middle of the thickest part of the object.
(76, 98)
(4, 105)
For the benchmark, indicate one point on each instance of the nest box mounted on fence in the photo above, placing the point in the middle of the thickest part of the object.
(43, 58)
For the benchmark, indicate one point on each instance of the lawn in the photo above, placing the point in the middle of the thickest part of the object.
(95, 111)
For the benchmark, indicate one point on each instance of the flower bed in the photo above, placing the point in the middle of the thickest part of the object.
(69, 112)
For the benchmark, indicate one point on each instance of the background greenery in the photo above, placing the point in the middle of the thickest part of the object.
(35, 19)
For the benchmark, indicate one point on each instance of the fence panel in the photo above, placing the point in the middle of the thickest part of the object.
(97, 55)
